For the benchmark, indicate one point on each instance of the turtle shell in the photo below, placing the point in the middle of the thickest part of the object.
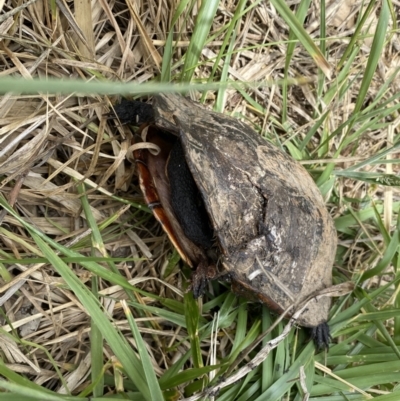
(274, 235)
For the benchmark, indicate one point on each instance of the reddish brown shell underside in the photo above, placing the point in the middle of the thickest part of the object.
(153, 182)
(268, 215)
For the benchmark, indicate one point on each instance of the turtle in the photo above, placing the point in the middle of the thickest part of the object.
(235, 205)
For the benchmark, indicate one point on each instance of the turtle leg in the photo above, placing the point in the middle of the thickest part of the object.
(204, 272)
(321, 336)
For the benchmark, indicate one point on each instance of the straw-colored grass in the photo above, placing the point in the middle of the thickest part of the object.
(93, 299)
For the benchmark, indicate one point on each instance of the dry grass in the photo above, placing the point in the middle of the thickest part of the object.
(64, 170)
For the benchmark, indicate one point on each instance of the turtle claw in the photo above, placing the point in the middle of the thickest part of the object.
(321, 336)
(199, 284)
(200, 279)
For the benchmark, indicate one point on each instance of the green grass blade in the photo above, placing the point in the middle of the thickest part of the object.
(168, 48)
(201, 30)
(375, 55)
(301, 14)
(192, 324)
(302, 36)
(151, 379)
(96, 350)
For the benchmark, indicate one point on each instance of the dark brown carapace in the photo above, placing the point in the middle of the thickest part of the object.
(271, 229)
